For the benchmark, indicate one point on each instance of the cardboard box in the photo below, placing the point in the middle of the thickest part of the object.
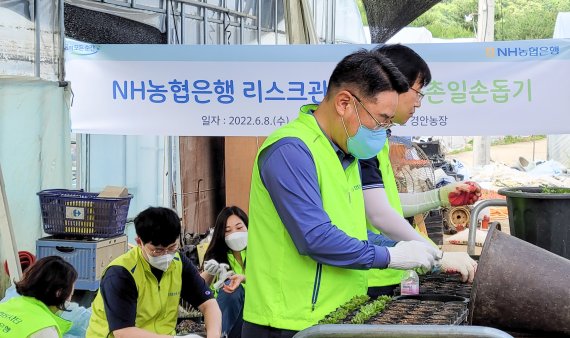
(114, 192)
(201, 248)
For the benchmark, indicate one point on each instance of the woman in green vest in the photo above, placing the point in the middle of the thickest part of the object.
(385, 207)
(44, 289)
(228, 246)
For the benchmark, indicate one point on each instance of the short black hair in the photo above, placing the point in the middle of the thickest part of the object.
(218, 249)
(49, 280)
(367, 73)
(408, 62)
(158, 226)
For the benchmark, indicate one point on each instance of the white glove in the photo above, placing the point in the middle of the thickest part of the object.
(191, 335)
(224, 275)
(408, 255)
(212, 267)
(459, 262)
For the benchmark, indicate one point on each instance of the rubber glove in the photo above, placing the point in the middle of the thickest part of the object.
(225, 274)
(408, 255)
(212, 267)
(459, 193)
(459, 262)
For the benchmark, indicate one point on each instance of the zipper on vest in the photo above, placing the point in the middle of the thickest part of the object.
(316, 285)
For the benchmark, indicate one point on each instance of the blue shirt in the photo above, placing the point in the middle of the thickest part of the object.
(289, 174)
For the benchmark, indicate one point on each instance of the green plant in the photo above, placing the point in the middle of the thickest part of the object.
(514, 19)
(510, 139)
(369, 310)
(555, 190)
(344, 310)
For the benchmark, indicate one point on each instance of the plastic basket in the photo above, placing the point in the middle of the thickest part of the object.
(79, 213)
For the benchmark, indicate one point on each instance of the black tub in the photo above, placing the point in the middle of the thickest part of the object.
(542, 219)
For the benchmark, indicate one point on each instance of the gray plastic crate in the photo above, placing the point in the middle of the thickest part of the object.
(88, 257)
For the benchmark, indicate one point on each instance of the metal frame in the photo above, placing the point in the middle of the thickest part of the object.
(473, 221)
(400, 331)
(204, 7)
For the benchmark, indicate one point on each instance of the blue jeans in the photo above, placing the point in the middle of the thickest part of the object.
(231, 305)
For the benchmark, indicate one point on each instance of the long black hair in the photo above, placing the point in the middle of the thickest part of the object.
(218, 249)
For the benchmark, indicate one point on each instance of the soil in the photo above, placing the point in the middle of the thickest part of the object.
(187, 326)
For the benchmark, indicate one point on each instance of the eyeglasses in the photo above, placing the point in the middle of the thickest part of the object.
(420, 95)
(163, 251)
(379, 125)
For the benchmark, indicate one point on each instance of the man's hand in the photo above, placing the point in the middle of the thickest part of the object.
(408, 255)
(459, 262)
(212, 267)
(460, 193)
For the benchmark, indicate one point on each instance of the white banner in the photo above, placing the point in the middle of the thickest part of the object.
(494, 88)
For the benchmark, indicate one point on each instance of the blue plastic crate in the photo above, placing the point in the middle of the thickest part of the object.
(79, 213)
(88, 257)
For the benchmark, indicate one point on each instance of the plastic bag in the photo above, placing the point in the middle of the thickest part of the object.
(79, 316)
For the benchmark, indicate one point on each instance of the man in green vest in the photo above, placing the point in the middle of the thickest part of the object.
(308, 247)
(141, 289)
(385, 208)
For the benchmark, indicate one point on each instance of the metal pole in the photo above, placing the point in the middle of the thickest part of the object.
(259, 22)
(87, 178)
(217, 8)
(485, 32)
(333, 22)
(241, 19)
(61, 75)
(168, 25)
(276, 2)
(473, 221)
(37, 33)
(182, 25)
(8, 239)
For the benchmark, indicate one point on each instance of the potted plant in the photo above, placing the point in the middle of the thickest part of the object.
(540, 216)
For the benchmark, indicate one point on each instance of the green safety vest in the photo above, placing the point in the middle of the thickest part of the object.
(234, 264)
(23, 316)
(157, 303)
(287, 290)
(384, 277)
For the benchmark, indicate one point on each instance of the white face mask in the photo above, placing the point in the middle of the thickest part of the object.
(160, 262)
(237, 241)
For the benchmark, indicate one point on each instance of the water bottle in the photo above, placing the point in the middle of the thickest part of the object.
(410, 283)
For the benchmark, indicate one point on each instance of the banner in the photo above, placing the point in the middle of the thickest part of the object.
(487, 88)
